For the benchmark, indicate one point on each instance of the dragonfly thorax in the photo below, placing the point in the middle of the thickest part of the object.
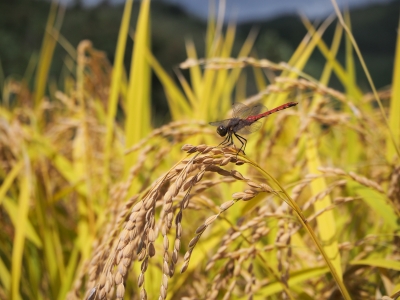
(221, 130)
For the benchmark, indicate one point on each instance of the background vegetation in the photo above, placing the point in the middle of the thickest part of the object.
(22, 23)
(97, 202)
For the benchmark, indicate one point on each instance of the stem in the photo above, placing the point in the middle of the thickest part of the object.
(305, 223)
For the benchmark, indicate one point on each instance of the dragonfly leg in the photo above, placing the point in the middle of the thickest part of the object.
(243, 141)
(227, 141)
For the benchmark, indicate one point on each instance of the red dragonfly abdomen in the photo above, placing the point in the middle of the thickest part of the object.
(269, 112)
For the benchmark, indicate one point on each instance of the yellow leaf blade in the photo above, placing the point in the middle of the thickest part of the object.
(25, 186)
(394, 115)
(380, 263)
(326, 221)
(137, 123)
(118, 70)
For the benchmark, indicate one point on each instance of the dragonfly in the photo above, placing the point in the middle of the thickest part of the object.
(245, 120)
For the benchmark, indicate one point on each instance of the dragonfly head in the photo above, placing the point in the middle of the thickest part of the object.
(221, 130)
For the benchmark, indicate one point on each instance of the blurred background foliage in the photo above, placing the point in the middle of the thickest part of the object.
(22, 23)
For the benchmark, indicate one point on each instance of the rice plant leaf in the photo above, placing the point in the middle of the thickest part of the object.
(58, 251)
(25, 190)
(30, 69)
(326, 221)
(12, 210)
(380, 263)
(35, 270)
(368, 75)
(304, 56)
(340, 72)
(79, 152)
(82, 164)
(215, 91)
(394, 113)
(117, 73)
(61, 163)
(241, 87)
(209, 79)
(46, 54)
(177, 103)
(212, 78)
(137, 123)
(5, 278)
(190, 95)
(50, 255)
(376, 201)
(64, 167)
(9, 179)
(234, 75)
(218, 89)
(298, 60)
(294, 279)
(352, 139)
(259, 78)
(395, 291)
(68, 277)
(350, 66)
(327, 71)
(195, 71)
(211, 27)
(303, 52)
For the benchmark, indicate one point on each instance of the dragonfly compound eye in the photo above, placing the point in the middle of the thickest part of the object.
(221, 130)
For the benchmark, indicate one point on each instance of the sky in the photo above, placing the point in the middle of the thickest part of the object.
(247, 10)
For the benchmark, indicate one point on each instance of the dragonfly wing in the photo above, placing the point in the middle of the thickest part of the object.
(251, 128)
(242, 111)
(257, 109)
(219, 123)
